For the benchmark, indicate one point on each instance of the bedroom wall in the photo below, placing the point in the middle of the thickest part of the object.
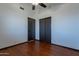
(65, 25)
(13, 24)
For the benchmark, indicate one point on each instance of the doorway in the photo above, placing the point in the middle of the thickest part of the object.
(31, 29)
(45, 29)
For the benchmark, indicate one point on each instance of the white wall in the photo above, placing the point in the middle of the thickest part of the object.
(65, 25)
(13, 24)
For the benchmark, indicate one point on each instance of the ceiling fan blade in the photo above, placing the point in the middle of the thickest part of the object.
(33, 7)
(21, 8)
(43, 5)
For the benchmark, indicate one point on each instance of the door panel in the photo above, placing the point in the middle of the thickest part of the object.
(42, 29)
(31, 29)
(48, 29)
(45, 29)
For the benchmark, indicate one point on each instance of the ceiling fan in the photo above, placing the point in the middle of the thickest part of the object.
(41, 4)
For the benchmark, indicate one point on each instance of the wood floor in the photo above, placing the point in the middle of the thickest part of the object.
(36, 48)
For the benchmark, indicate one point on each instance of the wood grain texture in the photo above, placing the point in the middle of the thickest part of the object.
(37, 48)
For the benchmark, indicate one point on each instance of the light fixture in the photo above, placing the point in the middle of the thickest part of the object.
(35, 4)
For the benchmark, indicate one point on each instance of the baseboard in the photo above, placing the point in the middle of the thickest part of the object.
(39, 40)
(16, 44)
(66, 47)
(62, 46)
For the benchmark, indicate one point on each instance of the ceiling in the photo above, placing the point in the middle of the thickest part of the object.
(49, 5)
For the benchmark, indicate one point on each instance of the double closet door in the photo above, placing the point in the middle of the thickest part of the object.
(45, 29)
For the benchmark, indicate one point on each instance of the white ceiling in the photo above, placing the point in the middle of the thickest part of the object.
(49, 5)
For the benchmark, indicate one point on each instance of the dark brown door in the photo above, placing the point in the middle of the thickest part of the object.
(45, 29)
(31, 29)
